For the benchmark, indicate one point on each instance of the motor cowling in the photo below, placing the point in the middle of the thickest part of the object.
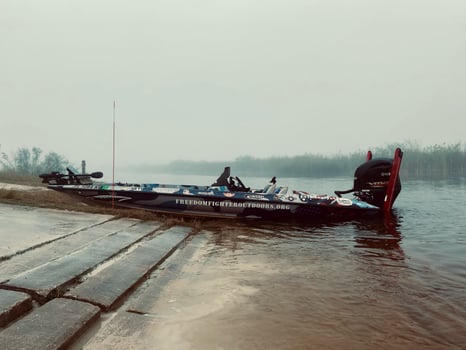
(371, 181)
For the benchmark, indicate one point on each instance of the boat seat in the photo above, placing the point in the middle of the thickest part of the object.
(281, 191)
(270, 189)
(223, 178)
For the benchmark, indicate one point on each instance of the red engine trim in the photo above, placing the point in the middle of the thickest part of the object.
(388, 202)
(369, 155)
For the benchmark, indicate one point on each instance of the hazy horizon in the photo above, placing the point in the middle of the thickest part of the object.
(219, 80)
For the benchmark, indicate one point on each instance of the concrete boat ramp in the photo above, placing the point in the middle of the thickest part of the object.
(63, 272)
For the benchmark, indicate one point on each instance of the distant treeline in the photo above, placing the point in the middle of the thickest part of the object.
(433, 162)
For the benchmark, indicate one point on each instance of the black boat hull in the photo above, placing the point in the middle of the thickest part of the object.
(321, 209)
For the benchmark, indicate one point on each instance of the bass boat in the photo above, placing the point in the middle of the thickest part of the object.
(375, 188)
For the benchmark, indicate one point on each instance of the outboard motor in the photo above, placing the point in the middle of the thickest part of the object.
(371, 181)
(377, 181)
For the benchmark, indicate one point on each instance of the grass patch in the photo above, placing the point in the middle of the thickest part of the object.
(8, 194)
(20, 179)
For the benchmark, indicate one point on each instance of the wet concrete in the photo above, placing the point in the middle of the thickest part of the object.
(23, 228)
(53, 326)
(65, 245)
(52, 278)
(95, 261)
(13, 305)
(125, 273)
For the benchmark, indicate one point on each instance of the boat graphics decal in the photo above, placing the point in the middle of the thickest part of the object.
(228, 194)
(258, 197)
(363, 205)
(299, 197)
(110, 197)
(344, 201)
(165, 189)
(210, 193)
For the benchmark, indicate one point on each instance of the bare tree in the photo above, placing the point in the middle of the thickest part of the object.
(26, 161)
(53, 162)
(23, 161)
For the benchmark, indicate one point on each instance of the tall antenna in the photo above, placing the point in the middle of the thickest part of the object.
(113, 163)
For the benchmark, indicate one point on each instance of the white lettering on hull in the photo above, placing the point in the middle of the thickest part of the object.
(228, 204)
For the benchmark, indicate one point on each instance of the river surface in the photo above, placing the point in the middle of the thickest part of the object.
(394, 283)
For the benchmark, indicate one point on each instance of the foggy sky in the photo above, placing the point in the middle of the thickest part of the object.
(218, 79)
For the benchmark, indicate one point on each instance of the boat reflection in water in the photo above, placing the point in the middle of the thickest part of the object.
(379, 235)
(380, 238)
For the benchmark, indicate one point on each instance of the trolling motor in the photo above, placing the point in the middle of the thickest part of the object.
(56, 178)
(377, 181)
